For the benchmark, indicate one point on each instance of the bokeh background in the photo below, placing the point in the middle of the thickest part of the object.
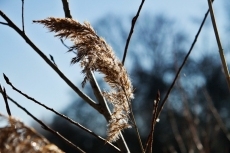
(162, 36)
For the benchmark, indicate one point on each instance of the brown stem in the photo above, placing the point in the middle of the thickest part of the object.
(66, 9)
(131, 31)
(221, 51)
(149, 142)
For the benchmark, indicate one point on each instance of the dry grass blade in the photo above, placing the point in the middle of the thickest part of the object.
(15, 137)
(94, 54)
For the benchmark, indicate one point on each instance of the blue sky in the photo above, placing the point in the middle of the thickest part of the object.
(32, 75)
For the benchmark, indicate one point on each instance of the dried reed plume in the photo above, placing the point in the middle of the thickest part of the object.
(94, 54)
(15, 137)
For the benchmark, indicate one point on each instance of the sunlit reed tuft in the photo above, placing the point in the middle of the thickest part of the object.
(94, 54)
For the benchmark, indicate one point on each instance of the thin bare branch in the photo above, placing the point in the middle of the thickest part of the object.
(23, 27)
(149, 142)
(52, 59)
(131, 31)
(65, 44)
(65, 4)
(182, 65)
(221, 51)
(135, 124)
(216, 115)
(43, 56)
(44, 126)
(59, 114)
(3, 23)
(3, 92)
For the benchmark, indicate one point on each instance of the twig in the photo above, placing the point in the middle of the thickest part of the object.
(59, 114)
(135, 126)
(65, 44)
(44, 126)
(43, 56)
(133, 120)
(149, 142)
(52, 59)
(3, 23)
(182, 65)
(23, 28)
(131, 31)
(221, 51)
(66, 8)
(3, 92)
(216, 115)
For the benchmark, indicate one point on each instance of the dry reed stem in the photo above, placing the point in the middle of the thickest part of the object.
(15, 137)
(94, 54)
(149, 142)
(221, 51)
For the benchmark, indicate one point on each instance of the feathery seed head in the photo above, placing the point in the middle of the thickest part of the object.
(94, 54)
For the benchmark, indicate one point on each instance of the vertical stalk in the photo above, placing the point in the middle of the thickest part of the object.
(221, 51)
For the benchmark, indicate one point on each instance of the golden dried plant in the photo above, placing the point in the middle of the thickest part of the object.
(94, 54)
(15, 137)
